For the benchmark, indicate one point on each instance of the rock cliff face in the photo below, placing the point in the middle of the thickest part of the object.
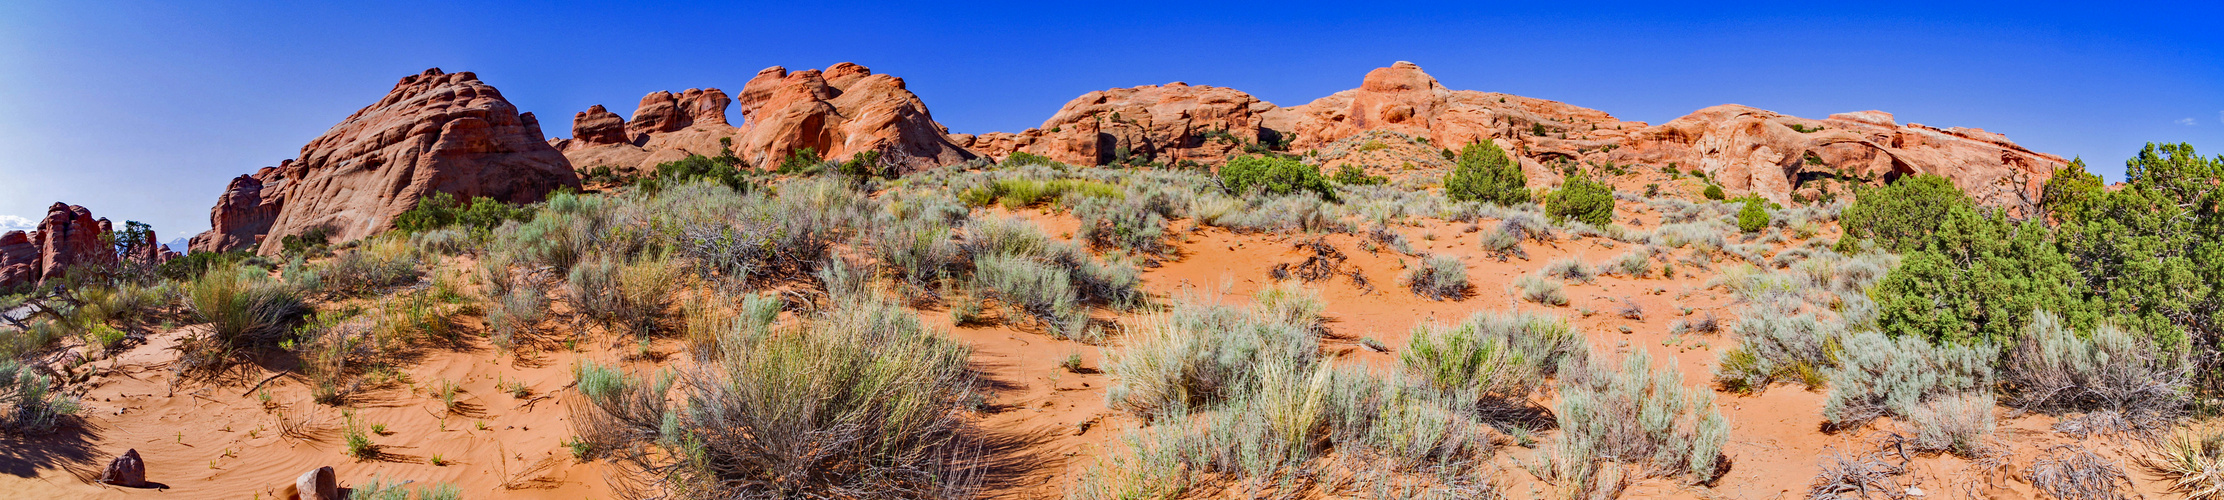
(1747, 150)
(837, 113)
(434, 132)
(67, 236)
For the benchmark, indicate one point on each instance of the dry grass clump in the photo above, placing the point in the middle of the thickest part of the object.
(244, 307)
(1863, 478)
(1501, 244)
(1635, 264)
(1617, 426)
(1774, 346)
(2191, 462)
(1439, 277)
(375, 265)
(2072, 472)
(630, 297)
(1569, 269)
(2123, 377)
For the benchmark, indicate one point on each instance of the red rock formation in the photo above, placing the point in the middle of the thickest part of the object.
(434, 132)
(837, 113)
(597, 126)
(244, 212)
(1746, 149)
(68, 235)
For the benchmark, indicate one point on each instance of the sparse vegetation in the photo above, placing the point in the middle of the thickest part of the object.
(1486, 174)
(1439, 277)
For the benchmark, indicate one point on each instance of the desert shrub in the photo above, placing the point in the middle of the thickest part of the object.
(1634, 264)
(1194, 356)
(1713, 192)
(863, 401)
(756, 239)
(1273, 175)
(514, 313)
(1134, 223)
(244, 307)
(1439, 277)
(1485, 173)
(1641, 419)
(1290, 303)
(1039, 289)
(1493, 356)
(630, 297)
(1498, 242)
(1537, 289)
(1954, 423)
(2054, 369)
(1569, 269)
(1901, 216)
(2071, 193)
(1754, 216)
(1879, 376)
(1583, 199)
(1112, 283)
(1240, 397)
(371, 267)
(28, 403)
(919, 251)
(1776, 346)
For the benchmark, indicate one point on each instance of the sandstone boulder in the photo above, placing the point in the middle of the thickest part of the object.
(317, 484)
(839, 112)
(434, 132)
(126, 470)
(19, 260)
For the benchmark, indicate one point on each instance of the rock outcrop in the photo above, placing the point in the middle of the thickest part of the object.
(244, 212)
(434, 132)
(69, 235)
(317, 484)
(1747, 150)
(839, 112)
(127, 470)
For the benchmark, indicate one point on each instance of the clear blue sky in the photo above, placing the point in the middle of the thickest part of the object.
(143, 111)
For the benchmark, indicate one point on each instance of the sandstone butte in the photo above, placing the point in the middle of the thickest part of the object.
(839, 112)
(1746, 150)
(439, 132)
(434, 132)
(67, 236)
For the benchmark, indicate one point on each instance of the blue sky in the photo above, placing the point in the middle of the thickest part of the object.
(143, 111)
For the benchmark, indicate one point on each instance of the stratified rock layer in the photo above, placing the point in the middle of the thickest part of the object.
(434, 132)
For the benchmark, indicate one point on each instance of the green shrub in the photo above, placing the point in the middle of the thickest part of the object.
(441, 209)
(2071, 193)
(28, 403)
(2151, 255)
(1977, 278)
(1776, 346)
(1354, 176)
(725, 169)
(1020, 158)
(1021, 193)
(1485, 173)
(1902, 215)
(1583, 199)
(800, 160)
(1714, 192)
(1273, 175)
(1754, 216)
